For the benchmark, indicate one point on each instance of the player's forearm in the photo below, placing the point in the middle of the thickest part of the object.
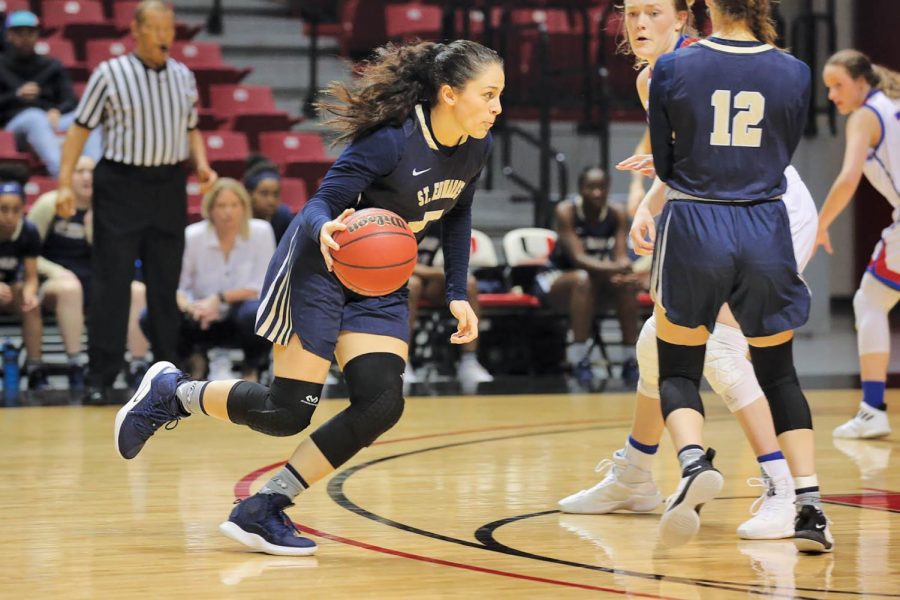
(71, 150)
(838, 198)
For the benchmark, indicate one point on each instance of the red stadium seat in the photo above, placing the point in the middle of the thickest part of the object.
(227, 152)
(293, 193)
(61, 49)
(78, 21)
(8, 6)
(205, 60)
(285, 147)
(97, 51)
(413, 20)
(300, 155)
(8, 150)
(36, 187)
(249, 108)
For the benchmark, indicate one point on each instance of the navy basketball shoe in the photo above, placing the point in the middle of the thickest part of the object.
(700, 482)
(153, 405)
(259, 523)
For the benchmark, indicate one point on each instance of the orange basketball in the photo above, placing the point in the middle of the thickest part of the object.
(378, 252)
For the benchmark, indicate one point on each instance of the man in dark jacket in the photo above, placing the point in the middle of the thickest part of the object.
(36, 96)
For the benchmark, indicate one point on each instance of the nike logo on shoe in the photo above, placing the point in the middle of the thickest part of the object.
(417, 173)
(821, 526)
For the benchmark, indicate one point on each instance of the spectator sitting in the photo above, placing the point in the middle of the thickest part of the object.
(20, 246)
(225, 260)
(589, 259)
(427, 283)
(263, 182)
(65, 270)
(36, 96)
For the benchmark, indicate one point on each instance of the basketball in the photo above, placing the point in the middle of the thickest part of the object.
(378, 252)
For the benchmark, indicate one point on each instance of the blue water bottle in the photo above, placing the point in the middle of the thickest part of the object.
(10, 373)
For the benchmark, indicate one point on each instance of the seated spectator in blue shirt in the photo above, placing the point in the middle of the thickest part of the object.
(263, 182)
(225, 260)
(37, 100)
(20, 246)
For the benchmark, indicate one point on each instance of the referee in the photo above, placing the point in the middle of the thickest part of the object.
(146, 102)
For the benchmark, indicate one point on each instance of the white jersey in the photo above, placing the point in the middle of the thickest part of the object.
(882, 166)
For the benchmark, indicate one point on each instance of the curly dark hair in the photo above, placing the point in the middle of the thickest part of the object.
(396, 79)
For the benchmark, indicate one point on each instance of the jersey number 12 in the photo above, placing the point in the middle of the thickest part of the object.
(738, 131)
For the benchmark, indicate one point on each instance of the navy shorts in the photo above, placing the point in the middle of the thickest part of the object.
(708, 254)
(300, 296)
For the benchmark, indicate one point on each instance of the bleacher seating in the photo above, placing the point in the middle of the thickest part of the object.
(293, 193)
(36, 187)
(62, 50)
(123, 13)
(226, 152)
(77, 21)
(250, 109)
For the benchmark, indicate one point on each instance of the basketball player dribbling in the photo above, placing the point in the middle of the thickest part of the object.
(653, 28)
(418, 124)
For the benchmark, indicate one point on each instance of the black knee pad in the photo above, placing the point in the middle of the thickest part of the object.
(774, 368)
(375, 382)
(282, 410)
(680, 370)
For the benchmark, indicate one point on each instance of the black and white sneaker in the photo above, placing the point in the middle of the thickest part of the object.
(811, 533)
(700, 482)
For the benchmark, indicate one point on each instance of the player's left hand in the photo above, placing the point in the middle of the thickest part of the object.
(467, 322)
(643, 232)
(642, 163)
(824, 240)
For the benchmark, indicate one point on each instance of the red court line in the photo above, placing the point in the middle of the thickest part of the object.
(242, 487)
(456, 565)
(242, 490)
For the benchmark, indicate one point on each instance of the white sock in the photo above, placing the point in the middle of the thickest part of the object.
(575, 352)
(638, 458)
(776, 469)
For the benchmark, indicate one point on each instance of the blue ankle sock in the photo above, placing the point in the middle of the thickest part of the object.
(642, 447)
(873, 393)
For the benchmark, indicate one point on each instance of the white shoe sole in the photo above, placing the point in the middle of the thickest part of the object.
(257, 543)
(638, 504)
(787, 532)
(678, 525)
(861, 436)
(812, 546)
(142, 389)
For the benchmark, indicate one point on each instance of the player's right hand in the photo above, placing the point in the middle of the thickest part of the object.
(326, 242)
(643, 232)
(824, 240)
(65, 202)
(642, 163)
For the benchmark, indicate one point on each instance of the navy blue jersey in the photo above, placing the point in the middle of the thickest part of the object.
(281, 220)
(25, 243)
(598, 238)
(66, 244)
(404, 170)
(726, 117)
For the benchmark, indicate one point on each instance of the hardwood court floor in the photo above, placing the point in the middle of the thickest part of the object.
(459, 500)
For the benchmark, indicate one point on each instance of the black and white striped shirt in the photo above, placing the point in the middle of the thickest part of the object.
(146, 114)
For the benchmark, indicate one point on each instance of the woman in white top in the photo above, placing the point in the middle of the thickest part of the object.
(225, 260)
(870, 95)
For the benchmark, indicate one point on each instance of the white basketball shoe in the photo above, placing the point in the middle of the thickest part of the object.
(625, 487)
(773, 512)
(868, 423)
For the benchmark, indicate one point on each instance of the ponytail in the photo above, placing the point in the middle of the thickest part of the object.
(396, 79)
(756, 14)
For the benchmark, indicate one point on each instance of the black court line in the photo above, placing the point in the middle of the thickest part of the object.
(484, 534)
